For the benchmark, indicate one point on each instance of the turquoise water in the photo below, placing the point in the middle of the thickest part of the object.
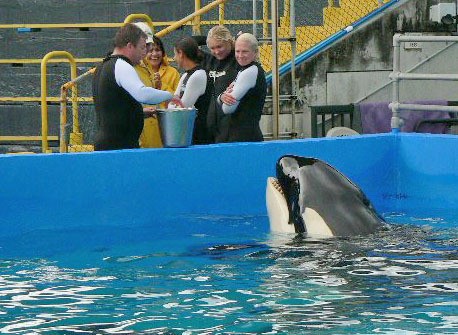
(229, 275)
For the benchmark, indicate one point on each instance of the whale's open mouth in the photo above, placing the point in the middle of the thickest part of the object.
(310, 196)
(277, 207)
(276, 184)
(286, 217)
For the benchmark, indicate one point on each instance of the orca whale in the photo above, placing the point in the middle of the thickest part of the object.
(309, 196)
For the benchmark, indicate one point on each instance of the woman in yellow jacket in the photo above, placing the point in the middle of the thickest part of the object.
(155, 71)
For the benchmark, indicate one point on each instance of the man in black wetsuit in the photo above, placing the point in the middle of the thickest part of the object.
(119, 93)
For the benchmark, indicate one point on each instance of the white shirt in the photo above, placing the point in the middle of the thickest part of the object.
(127, 78)
(195, 87)
(245, 80)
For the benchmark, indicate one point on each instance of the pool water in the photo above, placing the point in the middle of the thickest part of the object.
(229, 275)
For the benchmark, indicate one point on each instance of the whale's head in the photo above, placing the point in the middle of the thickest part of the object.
(310, 196)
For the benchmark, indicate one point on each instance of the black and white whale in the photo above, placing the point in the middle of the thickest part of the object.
(310, 196)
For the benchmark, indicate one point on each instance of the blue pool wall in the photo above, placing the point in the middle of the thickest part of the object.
(138, 187)
(426, 173)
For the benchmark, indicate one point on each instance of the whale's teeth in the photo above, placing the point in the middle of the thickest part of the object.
(277, 186)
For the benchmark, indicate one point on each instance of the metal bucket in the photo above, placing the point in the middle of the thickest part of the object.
(176, 126)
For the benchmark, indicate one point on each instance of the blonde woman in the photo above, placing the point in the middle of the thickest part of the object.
(243, 100)
(155, 71)
(222, 69)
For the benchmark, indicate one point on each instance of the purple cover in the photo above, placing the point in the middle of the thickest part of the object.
(376, 118)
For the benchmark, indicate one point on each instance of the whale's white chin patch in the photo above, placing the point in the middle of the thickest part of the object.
(277, 208)
(315, 225)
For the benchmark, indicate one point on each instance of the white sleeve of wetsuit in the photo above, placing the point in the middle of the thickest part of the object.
(127, 78)
(245, 80)
(180, 84)
(177, 91)
(195, 87)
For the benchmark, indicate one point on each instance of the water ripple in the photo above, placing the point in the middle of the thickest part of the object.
(403, 281)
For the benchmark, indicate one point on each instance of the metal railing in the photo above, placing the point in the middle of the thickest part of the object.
(44, 94)
(76, 137)
(78, 143)
(397, 76)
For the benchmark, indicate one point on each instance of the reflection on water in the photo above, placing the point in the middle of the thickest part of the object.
(223, 281)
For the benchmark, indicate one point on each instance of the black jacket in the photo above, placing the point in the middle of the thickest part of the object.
(221, 74)
(244, 122)
(119, 115)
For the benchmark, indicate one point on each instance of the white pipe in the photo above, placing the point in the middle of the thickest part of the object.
(421, 38)
(417, 107)
(413, 68)
(397, 75)
(423, 76)
(395, 119)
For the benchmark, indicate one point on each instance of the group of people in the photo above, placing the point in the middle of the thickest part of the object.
(226, 86)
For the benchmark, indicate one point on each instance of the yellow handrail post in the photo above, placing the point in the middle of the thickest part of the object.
(196, 21)
(63, 112)
(221, 13)
(286, 8)
(140, 17)
(76, 136)
(63, 119)
(265, 18)
(188, 18)
(44, 94)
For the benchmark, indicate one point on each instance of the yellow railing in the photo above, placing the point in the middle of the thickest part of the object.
(76, 139)
(139, 17)
(44, 95)
(190, 18)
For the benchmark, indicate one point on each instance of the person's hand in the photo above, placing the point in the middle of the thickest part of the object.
(150, 112)
(176, 101)
(227, 98)
(157, 83)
